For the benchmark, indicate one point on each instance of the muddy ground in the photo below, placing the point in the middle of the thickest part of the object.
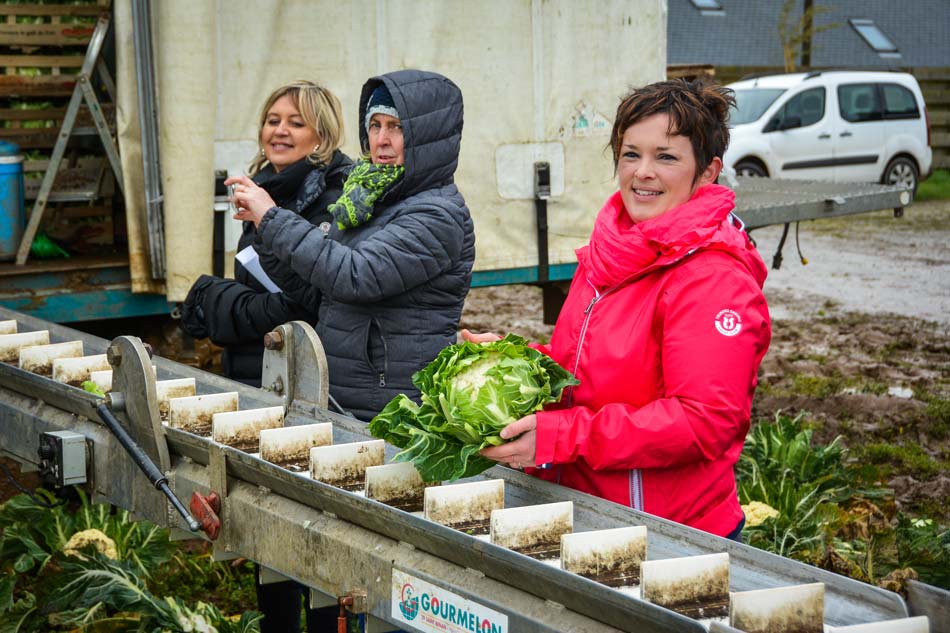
(861, 341)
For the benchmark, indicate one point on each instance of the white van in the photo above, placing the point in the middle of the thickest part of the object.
(844, 126)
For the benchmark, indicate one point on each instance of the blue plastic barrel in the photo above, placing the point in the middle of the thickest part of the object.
(12, 219)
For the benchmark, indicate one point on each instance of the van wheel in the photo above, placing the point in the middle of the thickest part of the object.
(751, 169)
(903, 172)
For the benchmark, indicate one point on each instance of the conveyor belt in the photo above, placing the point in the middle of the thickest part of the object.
(342, 543)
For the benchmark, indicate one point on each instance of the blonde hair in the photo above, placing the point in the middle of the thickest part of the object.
(320, 110)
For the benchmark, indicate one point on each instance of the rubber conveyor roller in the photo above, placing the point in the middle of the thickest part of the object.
(344, 544)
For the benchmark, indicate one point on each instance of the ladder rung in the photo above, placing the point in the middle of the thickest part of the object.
(87, 195)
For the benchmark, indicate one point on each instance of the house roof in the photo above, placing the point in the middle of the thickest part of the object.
(745, 33)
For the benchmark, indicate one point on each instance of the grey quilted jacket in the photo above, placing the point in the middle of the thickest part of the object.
(392, 288)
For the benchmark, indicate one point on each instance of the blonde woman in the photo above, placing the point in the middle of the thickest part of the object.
(301, 167)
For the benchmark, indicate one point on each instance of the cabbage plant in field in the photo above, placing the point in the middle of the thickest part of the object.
(470, 392)
(808, 501)
(90, 568)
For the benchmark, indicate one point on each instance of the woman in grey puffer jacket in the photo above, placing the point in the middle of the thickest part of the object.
(395, 266)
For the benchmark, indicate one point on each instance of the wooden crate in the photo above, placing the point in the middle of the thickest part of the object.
(42, 48)
(84, 174)
(38, 65)
(39, 129)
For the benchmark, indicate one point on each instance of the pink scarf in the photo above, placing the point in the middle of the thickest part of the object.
(619, 249)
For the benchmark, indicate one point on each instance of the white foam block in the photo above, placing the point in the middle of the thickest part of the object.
(345, 465)
(10, 344)
(166, 390)
(533, 530)
(194, 413)
(466, 503)
(606, 554)
(103, 379)
(797, 607)
(77, 370)
(293, 443)
(675, 581)
(39, 358)
(398, 484)
(242, 429)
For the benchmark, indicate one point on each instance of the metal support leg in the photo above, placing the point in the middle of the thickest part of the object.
(104, 134)
(106, 79)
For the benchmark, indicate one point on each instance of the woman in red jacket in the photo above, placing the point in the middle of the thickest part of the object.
(665, 326)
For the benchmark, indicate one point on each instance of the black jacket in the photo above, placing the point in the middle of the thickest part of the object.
(237, 313)
(392, 288)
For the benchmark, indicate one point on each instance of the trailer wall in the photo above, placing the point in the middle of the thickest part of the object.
(540, 79)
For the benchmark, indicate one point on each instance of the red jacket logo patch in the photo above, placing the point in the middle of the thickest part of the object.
(728, 322)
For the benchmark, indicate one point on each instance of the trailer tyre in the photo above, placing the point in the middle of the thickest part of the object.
(751, 169)
(902, 171)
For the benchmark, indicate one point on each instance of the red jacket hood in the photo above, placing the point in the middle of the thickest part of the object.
(620, 250)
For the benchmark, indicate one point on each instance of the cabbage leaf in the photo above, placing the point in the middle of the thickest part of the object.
(470, 392)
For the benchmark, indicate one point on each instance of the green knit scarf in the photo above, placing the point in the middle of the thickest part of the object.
(363, 187)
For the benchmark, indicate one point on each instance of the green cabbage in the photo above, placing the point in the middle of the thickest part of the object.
(470, 392)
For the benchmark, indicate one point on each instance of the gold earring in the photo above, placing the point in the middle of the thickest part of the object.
(262, 151)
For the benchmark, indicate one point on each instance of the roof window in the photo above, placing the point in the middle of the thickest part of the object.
(708, 7)
(875, 38)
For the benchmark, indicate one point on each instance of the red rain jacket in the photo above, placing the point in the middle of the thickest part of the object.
(665, 326)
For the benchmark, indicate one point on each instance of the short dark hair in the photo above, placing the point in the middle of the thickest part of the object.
(698, 110)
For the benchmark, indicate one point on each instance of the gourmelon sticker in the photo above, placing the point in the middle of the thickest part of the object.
(427, 607)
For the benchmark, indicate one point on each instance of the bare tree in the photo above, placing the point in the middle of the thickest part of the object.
(797, 36)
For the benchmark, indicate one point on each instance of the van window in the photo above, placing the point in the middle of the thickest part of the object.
(859, 102)
(751, 104)
(804, 109)
(899, 102)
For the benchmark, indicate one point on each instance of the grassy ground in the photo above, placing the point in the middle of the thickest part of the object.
(937, 187)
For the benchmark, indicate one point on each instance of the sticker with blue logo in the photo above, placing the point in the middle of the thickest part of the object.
(426, 607)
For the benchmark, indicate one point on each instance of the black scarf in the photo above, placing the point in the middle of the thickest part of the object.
(284, 187)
